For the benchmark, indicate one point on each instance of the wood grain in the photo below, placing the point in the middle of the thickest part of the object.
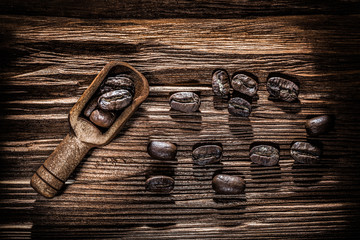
(49, 62)
(142, 9)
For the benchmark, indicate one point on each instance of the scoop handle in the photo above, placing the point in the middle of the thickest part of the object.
(52, 175)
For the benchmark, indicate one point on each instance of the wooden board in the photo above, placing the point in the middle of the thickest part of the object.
(48, 63)
(144, 9)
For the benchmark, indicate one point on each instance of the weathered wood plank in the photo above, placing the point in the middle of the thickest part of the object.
(53, 60)
(176, 9)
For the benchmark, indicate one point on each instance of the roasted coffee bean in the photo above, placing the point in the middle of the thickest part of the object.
(318, 125)
(228, 184)
(264, 155)
(162, 150)
(118, 82)
(90, 107)
(115, 100)
(239, 107)
(185, 101)
(283, 89)
(163, 184)
(244, 84)
(207, 154)
(305, 152)
(102, 118)
(221, 83)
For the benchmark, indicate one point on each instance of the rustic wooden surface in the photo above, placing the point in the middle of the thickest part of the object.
(176, 8)
(48, 62)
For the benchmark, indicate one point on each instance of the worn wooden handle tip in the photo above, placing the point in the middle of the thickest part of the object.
(42, 187)
(51, 176)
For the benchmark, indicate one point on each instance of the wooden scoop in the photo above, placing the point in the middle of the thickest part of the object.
(84, 135)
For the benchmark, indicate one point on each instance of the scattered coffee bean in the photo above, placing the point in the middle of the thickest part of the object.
(207, 154)
(91, 106)
(185, 101)
(264, 155)
(163, 184)
(305, 152)
(239, 107)
(318, 125)
(221, 83)
(227, 184)
(115, 100)
(244, 84)
(282, 88)
(162, 150)
(118, 82)
(102, 118)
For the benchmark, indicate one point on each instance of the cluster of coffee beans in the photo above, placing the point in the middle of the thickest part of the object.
(115, 94)
(279, 88)
(162, 151)
(244, 84)
(222, 183)
(241, 83)
(302, 152)
(202, 155)
(308, 152)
